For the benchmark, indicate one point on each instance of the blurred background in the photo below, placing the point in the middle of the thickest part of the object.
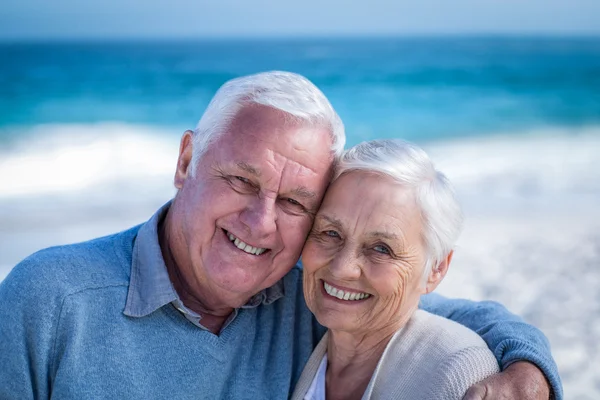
(505, 95)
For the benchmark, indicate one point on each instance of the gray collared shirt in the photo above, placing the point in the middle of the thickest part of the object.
(150, 287)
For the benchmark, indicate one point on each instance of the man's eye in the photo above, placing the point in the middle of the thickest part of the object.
(382, 249)
(332, 234)
(293, 205)
(241, 185)
(294, 202)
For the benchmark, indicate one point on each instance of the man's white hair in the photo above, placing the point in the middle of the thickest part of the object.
(285, 91)
(410, 166)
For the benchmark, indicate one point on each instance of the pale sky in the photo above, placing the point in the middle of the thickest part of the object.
(55, 19)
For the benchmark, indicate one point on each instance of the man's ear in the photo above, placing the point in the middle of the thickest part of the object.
(438, 272)
(184, 161)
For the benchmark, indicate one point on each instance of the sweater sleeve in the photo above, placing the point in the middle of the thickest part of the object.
(458, 373)
(28, 315)
(507, 335)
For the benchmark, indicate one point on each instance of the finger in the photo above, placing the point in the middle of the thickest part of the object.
(476, 392)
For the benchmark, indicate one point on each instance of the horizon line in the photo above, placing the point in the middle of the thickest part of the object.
(283, 37)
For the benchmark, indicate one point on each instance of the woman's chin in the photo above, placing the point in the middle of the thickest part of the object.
(337, 321)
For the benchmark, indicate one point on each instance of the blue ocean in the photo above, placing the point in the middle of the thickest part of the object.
(89, 136)
(420, 89)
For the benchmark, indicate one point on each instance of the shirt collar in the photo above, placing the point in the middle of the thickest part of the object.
(149, 285)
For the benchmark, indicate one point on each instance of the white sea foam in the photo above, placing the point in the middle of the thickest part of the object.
(540, 163)
(57, 159)
(66, 159)
(531, 241)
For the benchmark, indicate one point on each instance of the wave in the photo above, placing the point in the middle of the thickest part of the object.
(110, 159)
(72, 158)
(553, 162)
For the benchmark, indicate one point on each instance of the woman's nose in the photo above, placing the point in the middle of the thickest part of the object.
(346, 264)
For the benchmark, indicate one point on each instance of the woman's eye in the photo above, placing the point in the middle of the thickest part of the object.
(382, 249)
(332, 234)
(242, 179)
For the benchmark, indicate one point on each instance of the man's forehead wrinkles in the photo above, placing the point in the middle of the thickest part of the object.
(294, 163)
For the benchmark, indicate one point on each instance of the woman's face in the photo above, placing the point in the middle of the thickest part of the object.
(366, 241)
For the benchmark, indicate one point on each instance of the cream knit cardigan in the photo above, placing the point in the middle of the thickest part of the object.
(429, 358)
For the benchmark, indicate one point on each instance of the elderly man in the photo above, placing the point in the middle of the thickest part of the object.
(205, 299)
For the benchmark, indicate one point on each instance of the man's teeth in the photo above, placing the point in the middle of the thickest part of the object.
(245, 247)
(343, 295)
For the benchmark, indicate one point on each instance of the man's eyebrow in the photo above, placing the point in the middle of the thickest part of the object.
(304, 193)
(248, 168)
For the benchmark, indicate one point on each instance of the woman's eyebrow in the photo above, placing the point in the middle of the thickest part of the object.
(384, 235)
(332, 220)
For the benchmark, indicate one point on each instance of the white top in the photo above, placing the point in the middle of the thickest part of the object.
(316, 391)
(429, 358)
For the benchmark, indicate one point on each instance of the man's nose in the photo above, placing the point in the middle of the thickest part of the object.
(260, 217)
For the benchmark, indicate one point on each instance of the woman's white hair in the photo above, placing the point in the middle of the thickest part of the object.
(410, 166)
(285, 91)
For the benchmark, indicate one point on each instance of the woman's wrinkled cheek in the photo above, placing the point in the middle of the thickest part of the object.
(311, 286)
(316, 258)
(400, 293)
(392, 307)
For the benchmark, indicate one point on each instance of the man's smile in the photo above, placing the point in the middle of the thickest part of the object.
(257, 251)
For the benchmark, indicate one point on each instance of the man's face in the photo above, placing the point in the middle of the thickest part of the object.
(241, 222)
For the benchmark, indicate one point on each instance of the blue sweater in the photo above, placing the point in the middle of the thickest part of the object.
(63, 334)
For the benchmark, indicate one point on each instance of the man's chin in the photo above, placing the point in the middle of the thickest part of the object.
(243, 282)
(242, 291)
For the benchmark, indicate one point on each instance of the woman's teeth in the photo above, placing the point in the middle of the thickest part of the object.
(344, 295)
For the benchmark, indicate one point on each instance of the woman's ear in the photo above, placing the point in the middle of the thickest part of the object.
(438, 272)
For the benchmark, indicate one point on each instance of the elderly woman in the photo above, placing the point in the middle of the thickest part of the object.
(383, 237)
